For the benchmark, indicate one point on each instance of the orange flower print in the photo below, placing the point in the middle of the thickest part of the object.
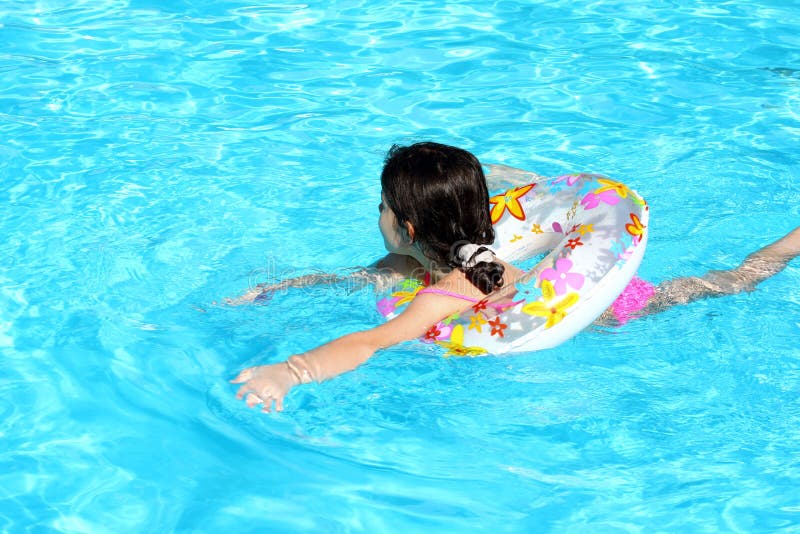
(509, 201)
(480, 305)
(635, 228)
(433, 333)
(497, 326)
(574, 243)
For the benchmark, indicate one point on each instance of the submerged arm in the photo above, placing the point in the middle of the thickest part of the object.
(355, 279)
(383, 273)
(502, 176)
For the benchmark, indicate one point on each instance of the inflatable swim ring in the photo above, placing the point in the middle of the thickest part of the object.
(593, 231)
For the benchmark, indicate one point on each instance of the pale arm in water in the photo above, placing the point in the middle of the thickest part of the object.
(382, 274)
(503, 176)
(757, 267)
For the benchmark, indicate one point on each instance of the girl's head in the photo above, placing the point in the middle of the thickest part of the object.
(438, 197)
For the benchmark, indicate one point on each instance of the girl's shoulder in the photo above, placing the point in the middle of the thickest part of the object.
(457, 282)
(401, 265)
(454, 284)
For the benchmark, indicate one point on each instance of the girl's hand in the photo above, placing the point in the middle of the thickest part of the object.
(259, 293)
(264, 384)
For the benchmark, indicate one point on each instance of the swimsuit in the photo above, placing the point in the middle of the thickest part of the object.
(633, 298)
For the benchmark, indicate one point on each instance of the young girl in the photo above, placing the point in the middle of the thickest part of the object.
(435, 219)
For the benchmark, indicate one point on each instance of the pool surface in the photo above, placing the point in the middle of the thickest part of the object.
(158, 157)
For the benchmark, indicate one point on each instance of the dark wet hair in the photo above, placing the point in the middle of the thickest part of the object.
(441, 191)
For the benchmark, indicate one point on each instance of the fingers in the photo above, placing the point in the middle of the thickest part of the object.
(260, 386)
(251, 400)
(244, 376)
(267, 408)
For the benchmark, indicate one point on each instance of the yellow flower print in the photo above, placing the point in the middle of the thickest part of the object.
(554, 311)
(610, 185)
(475, 322)
(537, 229)
(455, 347)
(586, 229)
(621, 189)
(405, 296)
(509, 201)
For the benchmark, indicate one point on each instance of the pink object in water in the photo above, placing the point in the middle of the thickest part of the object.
(635, 297)
(386, 306)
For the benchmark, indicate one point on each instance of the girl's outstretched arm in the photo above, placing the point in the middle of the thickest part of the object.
(383, 273)
(756, 268)
(354, 278)
(266, 384)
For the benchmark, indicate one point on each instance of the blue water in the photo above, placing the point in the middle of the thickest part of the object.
(157, 157)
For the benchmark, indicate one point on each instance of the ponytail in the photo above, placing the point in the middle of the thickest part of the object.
(479, 265)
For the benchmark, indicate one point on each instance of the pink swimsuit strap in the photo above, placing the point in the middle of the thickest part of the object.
(446, 293)
(497, 306)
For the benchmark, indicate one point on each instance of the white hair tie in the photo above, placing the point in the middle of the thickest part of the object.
(469, 257)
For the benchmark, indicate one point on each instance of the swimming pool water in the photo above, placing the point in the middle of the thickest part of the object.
(160, 156)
